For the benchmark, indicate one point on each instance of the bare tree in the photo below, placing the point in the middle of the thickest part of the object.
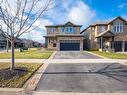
(20, 17)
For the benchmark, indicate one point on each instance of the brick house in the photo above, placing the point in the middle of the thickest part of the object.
(106, 36)
(64, 37)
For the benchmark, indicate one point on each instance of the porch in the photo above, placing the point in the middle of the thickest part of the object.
(106, 41)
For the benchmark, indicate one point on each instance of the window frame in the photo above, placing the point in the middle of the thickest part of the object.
(118, 27)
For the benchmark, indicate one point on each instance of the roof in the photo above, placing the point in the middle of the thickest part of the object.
(119, 17)
(106, 34)
(66, 24)
(104, 23)
(66, 35)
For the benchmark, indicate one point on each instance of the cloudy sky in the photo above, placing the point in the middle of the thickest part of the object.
(83, 12)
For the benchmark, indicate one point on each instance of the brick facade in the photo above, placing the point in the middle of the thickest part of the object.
(53, 39)
(93, 31)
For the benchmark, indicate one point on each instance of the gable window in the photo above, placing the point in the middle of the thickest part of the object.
(118, 27)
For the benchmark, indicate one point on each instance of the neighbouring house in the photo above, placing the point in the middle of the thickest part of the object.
(106, 36)
(3, 42)
(18, 42)
(64, 37)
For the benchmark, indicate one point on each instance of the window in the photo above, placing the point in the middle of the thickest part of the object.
(54, 44)
(52, 29)
(102, 28)
(67, 29)
(118, 27)
(62, 29)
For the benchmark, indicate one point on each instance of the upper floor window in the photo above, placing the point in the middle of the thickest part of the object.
(118, 27)
(52, 29)
(101, 28)
(68, 29)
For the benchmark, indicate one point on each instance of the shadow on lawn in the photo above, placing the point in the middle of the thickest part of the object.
(6, 74)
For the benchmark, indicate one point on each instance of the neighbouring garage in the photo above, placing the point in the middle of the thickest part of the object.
(69, 45)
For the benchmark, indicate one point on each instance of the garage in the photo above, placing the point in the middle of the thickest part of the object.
(69, 45)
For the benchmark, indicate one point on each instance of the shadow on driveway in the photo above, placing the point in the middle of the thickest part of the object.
(88, 78)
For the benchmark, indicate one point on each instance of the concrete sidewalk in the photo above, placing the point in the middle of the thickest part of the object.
(67, 60)
(85, 61)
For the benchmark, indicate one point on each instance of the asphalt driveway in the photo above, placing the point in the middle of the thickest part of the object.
(83, 77)
(74, 55)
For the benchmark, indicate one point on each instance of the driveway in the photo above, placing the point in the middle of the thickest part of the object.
(74, 55)
(84, 77)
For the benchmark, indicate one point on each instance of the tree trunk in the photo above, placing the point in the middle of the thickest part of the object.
(12, 55)
(7, 46)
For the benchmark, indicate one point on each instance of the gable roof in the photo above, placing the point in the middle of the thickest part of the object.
(66, 24)
(106, 34)
(119, 17)
(104, 23)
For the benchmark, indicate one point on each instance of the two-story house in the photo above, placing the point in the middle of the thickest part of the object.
(64, 37)
(108, 36)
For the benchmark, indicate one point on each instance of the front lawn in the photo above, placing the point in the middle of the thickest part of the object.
(28, 54)
(111, 55)
(17, 77)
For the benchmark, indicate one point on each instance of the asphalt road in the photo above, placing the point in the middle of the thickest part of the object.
(74, 55)
(83, 77)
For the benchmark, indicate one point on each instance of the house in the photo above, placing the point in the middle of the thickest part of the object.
(3, 41)
(18, 42)
(106, 36)
(64, 37)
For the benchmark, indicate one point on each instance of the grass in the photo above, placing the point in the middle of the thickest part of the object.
(17, 77)
(28, 54)
(111, 55)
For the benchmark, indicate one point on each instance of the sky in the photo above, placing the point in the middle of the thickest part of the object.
(82, 12)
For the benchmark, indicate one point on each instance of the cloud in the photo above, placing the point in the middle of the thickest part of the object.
(122, 5)
(81, 13)
(37, 34)
(68, 10)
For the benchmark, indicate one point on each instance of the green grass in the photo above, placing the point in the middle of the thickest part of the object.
(17, 80)
(111, 55)
(28, 54)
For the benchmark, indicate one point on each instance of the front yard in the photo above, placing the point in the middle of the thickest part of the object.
(111, 55)
(28, 54)
(17, 77)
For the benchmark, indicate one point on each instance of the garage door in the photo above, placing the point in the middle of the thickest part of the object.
(69, 45)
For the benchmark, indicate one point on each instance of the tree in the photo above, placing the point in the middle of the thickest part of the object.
(20, 16)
